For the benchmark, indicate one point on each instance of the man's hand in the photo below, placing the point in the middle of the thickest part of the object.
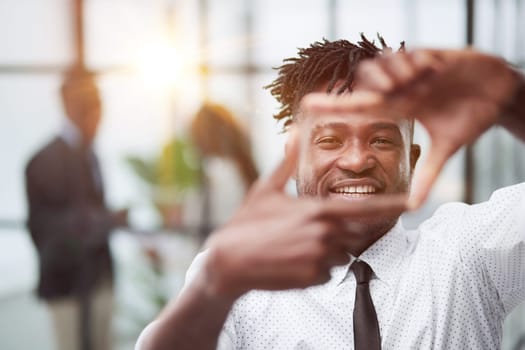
(276, 241)
(455, 95)
(120, 218)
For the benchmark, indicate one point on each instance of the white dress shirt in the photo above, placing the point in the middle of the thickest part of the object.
(447, 285)
(72, 136)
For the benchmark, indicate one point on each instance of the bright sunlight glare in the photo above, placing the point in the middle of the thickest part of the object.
(164, 65)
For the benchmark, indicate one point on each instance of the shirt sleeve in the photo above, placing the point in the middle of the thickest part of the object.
(226, 339)
(498, 227)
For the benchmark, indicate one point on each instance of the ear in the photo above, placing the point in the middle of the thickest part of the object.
(415, 152)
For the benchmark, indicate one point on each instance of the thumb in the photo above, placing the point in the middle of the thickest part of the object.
(428, 173)
(282, 173)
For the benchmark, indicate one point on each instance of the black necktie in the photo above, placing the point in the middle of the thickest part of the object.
(366, 327)
(92, 169)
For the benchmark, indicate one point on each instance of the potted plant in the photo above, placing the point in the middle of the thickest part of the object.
(170, 175)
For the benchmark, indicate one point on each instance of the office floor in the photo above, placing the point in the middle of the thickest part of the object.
(24, 320)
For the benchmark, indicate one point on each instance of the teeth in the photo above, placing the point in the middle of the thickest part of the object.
(355, 189)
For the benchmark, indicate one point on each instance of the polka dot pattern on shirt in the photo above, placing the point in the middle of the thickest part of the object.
(447, 285)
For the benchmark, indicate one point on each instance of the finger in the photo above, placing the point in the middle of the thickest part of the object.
(400, 68)
(360, 101)
(376, 205)
(425, 60)
(357, 101)
(427, 175)
(280, 176)
(339, 256)
(371, 75)
(287, 276)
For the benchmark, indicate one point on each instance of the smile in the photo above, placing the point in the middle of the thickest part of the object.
(355, 190)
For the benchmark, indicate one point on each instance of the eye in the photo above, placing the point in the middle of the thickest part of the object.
(382, 141)
(328, 142)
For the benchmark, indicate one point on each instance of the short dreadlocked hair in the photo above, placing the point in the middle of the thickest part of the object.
(326, 61)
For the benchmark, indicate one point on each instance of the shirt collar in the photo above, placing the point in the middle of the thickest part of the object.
(384, 256)
(340, 272)
(71, 134)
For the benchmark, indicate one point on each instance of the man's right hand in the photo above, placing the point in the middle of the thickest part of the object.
(276, 241)
(120, 218)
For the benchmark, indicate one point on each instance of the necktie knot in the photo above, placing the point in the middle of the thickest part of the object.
(362, 271)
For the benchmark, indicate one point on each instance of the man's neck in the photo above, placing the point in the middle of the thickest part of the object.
(72, 135)
(372, 234)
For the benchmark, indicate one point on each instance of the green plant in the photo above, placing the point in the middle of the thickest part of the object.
(171, 173)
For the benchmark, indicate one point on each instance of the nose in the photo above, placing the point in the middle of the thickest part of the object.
(356, 158)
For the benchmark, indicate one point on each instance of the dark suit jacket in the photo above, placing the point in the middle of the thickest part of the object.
(68, 221)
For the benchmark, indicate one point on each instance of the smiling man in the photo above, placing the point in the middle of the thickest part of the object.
(356, 157)
(334, 268)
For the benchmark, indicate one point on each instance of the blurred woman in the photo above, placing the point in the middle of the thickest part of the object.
(229, 168)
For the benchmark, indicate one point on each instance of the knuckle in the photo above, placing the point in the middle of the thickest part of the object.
(314, 272)
(320, 274)
(315, 210)
(316, 254)
(322, 231)
(366, 66)
(343, 258)
(324, 277)
(325, 231)
(258, 187)
(216, 255)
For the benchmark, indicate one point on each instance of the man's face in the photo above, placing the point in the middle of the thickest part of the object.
(354, 157)
(83, 107)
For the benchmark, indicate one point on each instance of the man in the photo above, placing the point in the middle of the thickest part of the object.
(70, 223)
(278, 276)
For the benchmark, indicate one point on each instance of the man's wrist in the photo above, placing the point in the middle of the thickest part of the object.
(515, 105)
(210, 295)
(213, 281)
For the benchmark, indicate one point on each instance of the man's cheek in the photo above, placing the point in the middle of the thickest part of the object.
(306, 181)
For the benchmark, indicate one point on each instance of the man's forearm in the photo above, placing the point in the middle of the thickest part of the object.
(513, 118)
(193, 321)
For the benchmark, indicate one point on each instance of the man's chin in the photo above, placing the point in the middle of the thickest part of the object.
(372, 227)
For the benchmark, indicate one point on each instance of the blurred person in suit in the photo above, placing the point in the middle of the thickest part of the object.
(70, 223)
